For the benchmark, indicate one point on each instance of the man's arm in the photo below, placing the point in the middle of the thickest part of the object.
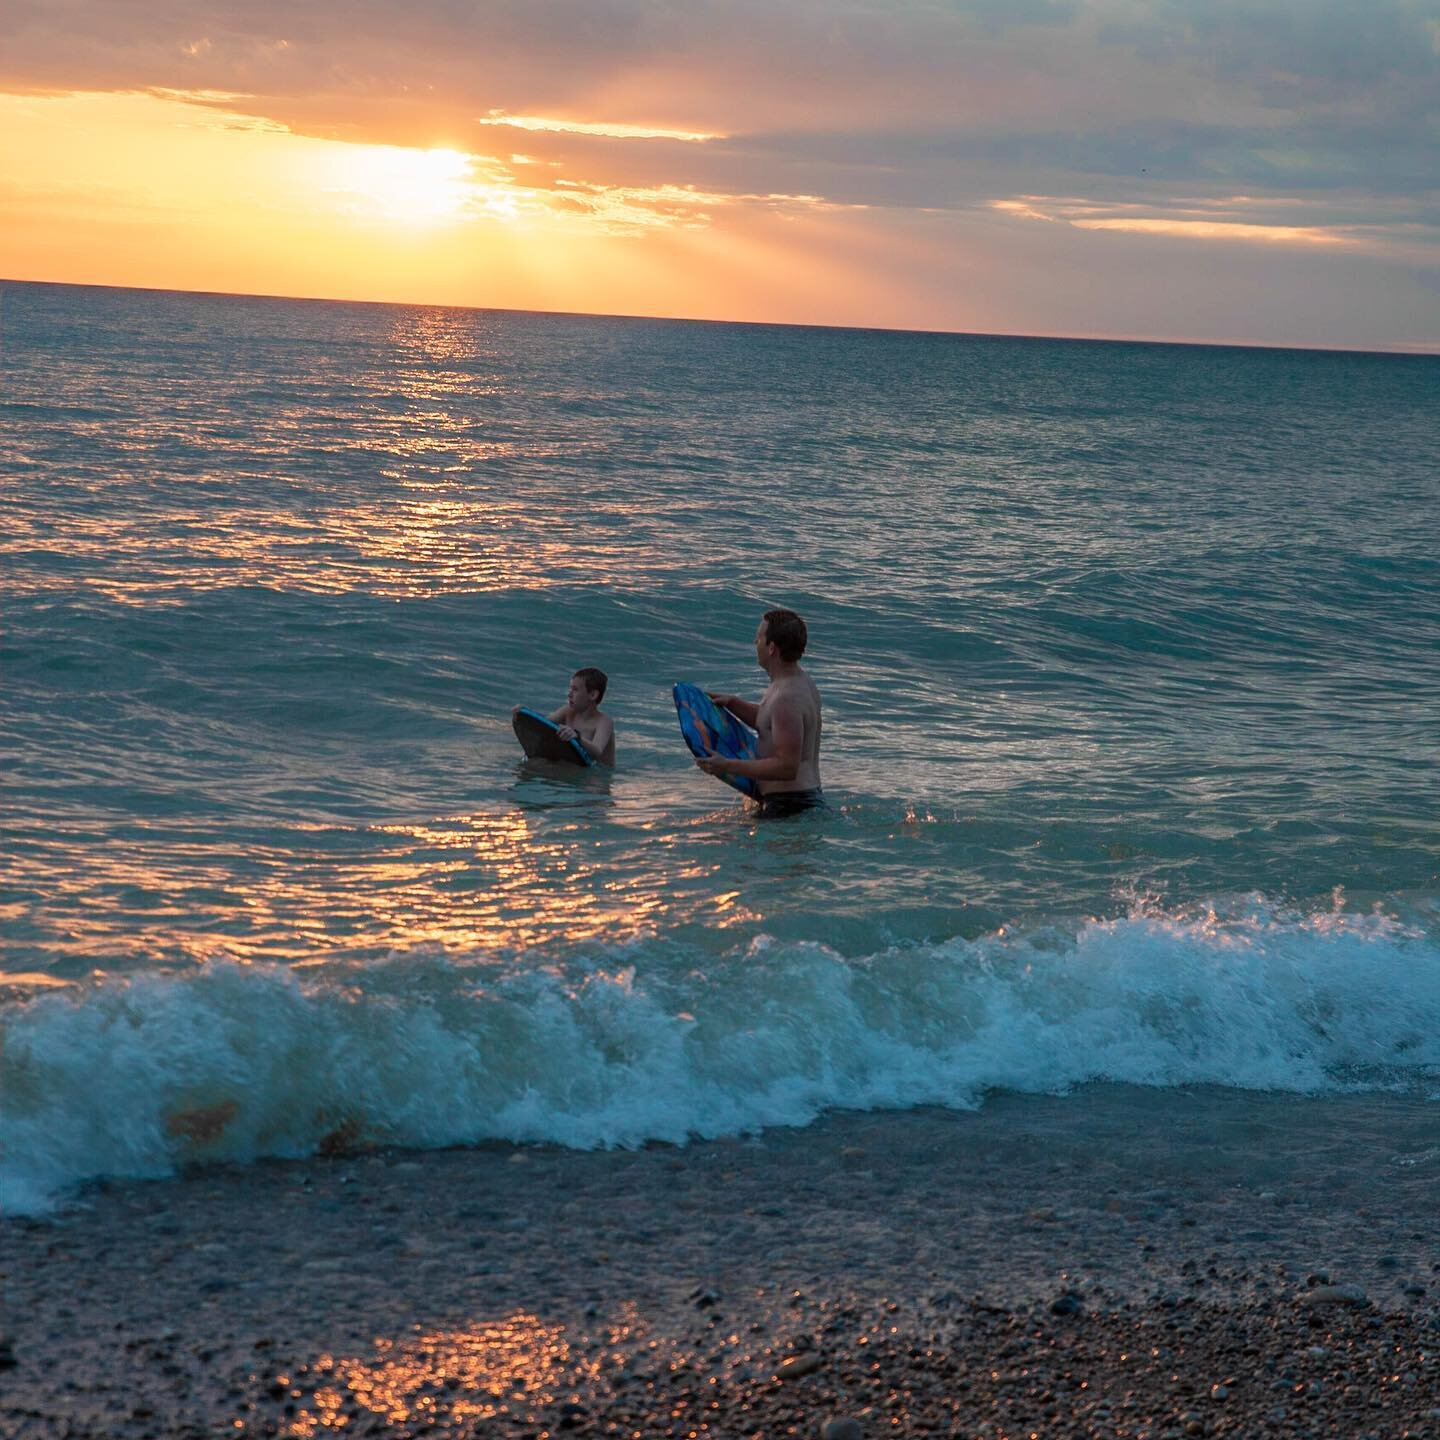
(560, 716)
(787, 739)
(746, 711)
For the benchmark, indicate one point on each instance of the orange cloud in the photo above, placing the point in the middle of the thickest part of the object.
(612, 130)
(1220, 230)
(1192, 222)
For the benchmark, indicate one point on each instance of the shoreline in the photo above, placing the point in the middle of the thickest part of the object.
(1118, 1261)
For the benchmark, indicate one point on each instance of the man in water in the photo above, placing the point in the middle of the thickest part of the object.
(580, 718)
(787, 719)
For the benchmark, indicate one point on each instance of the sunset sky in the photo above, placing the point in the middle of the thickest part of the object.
(1251, 170)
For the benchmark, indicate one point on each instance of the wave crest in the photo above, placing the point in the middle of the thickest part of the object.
(619, 1046)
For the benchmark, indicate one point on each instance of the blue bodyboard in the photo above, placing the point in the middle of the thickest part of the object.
(539, 736)
(710, 730)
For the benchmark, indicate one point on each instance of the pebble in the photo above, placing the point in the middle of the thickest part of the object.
(1335, 1295)
(914, 1378)
(798, 1365)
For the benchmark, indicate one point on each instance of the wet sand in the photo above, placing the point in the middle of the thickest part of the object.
(1119, 1262)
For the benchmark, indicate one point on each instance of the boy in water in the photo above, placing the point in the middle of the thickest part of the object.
(579, 718)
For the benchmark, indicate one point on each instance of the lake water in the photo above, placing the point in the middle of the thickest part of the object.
(1131, 665)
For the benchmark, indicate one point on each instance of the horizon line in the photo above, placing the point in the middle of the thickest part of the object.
(1417, 354)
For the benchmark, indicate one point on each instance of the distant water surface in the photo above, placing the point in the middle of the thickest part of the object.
(1131, 663)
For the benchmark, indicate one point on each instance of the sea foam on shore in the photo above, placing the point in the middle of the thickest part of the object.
(619, 1046)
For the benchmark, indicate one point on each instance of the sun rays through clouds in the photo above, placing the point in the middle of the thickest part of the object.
(1045, 166)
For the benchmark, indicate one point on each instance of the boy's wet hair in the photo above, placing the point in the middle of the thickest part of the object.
(593, 680)
(786, 631)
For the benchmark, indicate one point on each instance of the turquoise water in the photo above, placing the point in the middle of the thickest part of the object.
(1130, 657)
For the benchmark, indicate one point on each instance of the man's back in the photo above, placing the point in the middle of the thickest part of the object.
(792, 699)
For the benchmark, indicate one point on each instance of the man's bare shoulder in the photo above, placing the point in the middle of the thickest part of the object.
(798, 689)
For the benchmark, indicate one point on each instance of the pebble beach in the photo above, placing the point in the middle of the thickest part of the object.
(1116, 1262)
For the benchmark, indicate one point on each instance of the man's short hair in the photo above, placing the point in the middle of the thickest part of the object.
(593, 680)
(786, 631)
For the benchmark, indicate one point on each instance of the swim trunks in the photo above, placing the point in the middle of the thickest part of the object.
(785, 803)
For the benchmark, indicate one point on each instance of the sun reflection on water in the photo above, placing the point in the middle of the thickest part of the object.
(445, 475)
(480, 883)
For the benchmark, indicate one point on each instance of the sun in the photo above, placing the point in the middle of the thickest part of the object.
(402, 186)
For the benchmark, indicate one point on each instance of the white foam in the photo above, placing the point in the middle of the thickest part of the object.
(617, 1047)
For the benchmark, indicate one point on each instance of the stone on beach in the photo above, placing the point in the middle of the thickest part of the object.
(825, 1322)
(797, 1365)
(1335, 1295)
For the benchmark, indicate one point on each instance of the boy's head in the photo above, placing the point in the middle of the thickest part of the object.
(785, 630)
(587, 687)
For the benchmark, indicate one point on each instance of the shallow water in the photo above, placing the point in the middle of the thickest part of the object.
(1129, 655)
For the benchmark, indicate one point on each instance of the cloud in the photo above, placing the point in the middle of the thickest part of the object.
(1290, 51)
(1245, 126)
(888, 102)
(621, 210)
(611, 130)
(752, 65)
(1348, 222)
(1218, 230)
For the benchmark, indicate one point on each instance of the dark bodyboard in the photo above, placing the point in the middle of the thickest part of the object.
(540, 739)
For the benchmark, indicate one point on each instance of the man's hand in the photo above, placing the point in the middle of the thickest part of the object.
(566, 733)
(712, 764)
(747, 712)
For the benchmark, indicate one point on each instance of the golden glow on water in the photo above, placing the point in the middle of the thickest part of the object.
(474, 883)
(501, 1368)
(35, 980)
(295, 506)
(423, 547)
(410, 550)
